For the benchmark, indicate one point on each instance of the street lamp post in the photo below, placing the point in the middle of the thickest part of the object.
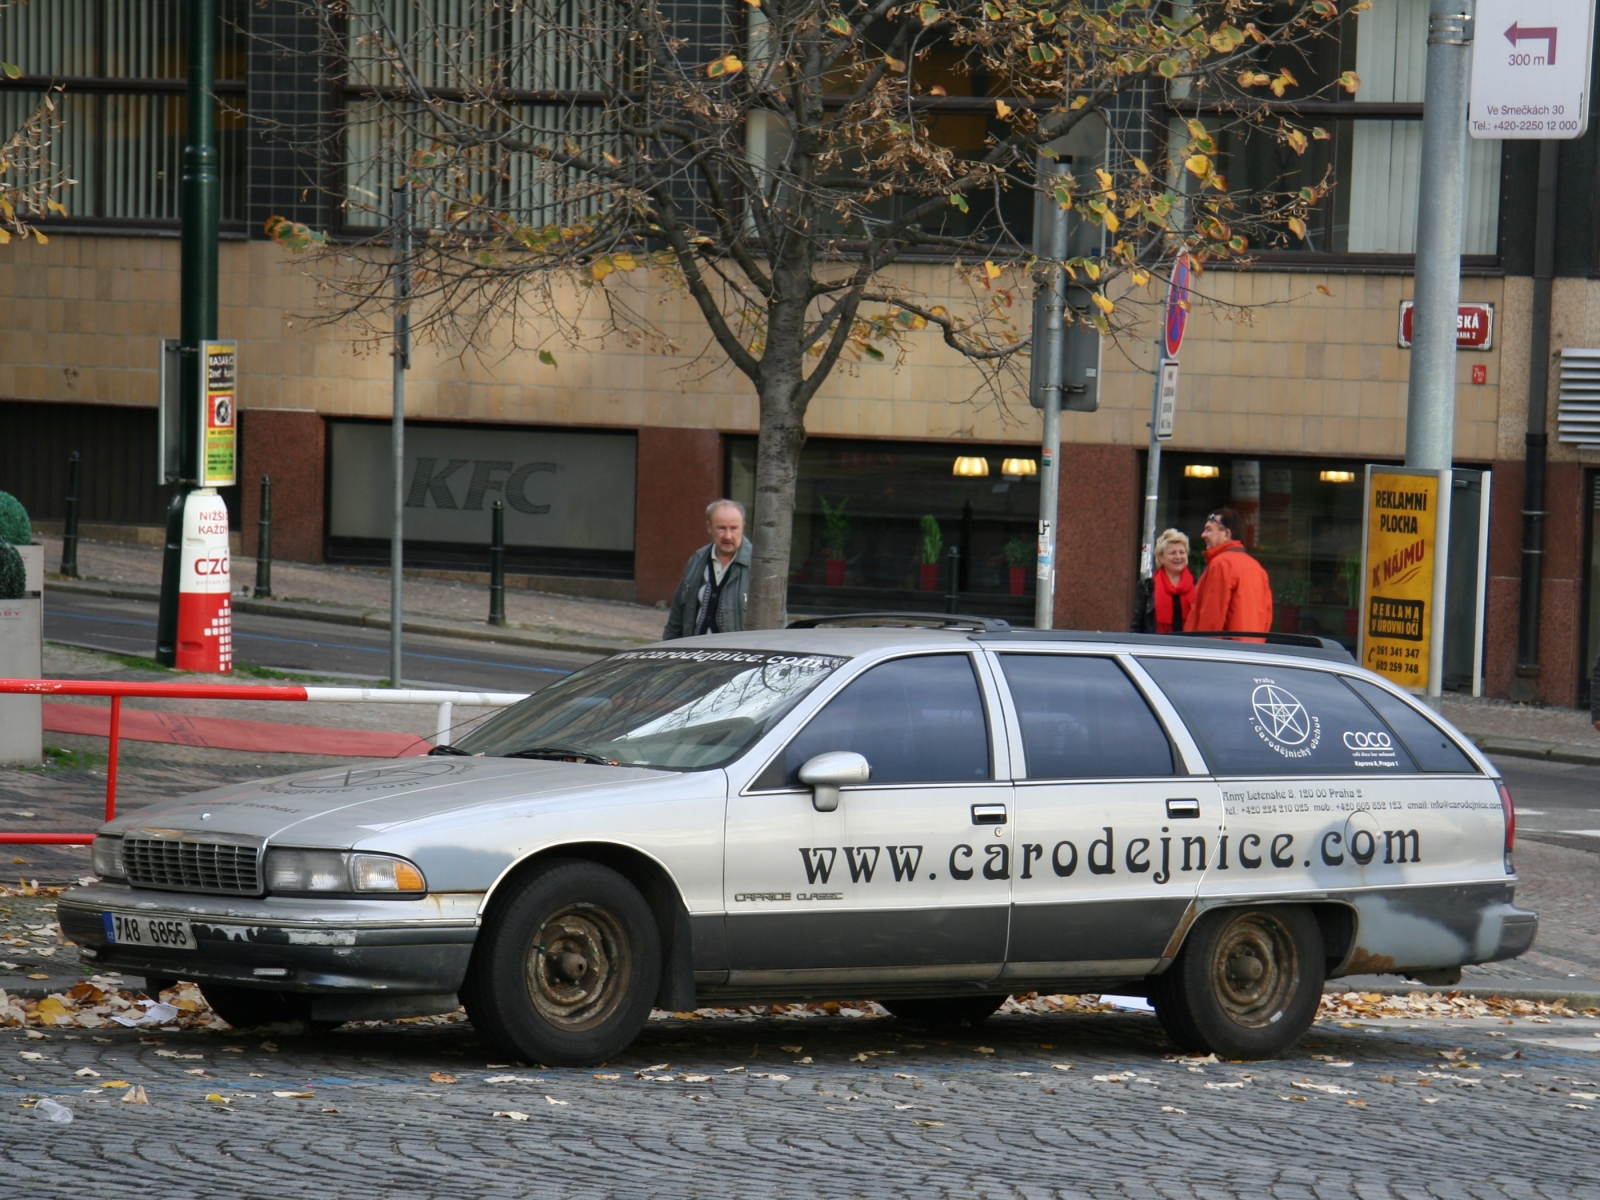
(402, 360)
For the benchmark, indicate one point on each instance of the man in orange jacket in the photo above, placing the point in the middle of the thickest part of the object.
(1234, 594)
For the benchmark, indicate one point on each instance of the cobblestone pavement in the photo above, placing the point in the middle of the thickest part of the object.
(1022, 1106)
(1485, 717)
(368, 587)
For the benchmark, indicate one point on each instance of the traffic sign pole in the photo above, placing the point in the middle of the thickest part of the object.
(1163, 402)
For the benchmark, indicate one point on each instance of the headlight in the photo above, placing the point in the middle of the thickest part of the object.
(108, 857)
(310, 872)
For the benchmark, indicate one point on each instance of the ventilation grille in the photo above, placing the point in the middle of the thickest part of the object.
(185, 866)
(1578, 417)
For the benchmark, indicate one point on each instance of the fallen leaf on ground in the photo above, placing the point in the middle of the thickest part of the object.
(1168, 1108)
(32, 1056)
(136, 1096)
(441, 1077)
(218, 1098)
(293, 1095)
(791, 1049)
(930, 1124)
(768, 1075)
(88, 1071)
(984, 1049)
(608, 1078)
(1217, 1087)
(553, 1100)
(515, 1116)
(115, 1084)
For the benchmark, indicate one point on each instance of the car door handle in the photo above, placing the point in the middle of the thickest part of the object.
(988, 814)
(1178, 810)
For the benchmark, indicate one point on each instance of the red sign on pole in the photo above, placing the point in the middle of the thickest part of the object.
(1474, 326)
(1177, 314)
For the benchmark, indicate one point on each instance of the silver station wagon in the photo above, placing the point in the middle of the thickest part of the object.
(933, 818)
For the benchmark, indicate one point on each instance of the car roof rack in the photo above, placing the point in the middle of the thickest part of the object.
(1306, 644)
(904, 620)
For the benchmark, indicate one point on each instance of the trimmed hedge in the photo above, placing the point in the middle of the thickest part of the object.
(14, 524)
(13, 575)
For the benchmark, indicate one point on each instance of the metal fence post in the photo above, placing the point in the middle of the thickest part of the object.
(264, 542)
(952, 598)
(497, 565)
(69, 533)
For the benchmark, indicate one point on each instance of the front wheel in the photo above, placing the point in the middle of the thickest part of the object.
(946, 1010)
(1246, 983)
(565, 971)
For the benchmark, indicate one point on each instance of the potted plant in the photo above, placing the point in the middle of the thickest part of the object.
(932, 547)
(1290, 594)
(1019, 554)
(21, 633)
(1350, 573)
(836, 528)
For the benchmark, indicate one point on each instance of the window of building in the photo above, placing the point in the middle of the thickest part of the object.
(1302, 522)
(1082, 718)
(1372, 143)
(874, 523)
(915, 720)
(122, 67)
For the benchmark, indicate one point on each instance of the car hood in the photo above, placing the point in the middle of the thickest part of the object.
(340, 807)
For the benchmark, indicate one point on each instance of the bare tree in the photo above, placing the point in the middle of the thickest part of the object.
(777, 168)
(30, 181)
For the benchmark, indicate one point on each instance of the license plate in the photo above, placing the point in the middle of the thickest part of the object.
(163, 933)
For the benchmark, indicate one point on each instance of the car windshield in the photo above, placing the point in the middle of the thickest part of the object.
(681, 710)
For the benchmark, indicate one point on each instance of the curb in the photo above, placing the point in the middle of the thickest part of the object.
(369, 619)
(1562, 752)
(1587, 996)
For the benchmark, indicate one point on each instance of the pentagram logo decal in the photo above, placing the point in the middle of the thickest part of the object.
(1282, 722)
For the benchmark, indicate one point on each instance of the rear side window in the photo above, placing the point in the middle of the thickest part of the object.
(1083, 718)
(1430, 746)
(1263, 719)
(915, 720)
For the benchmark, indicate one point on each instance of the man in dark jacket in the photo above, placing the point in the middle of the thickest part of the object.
(711, 596)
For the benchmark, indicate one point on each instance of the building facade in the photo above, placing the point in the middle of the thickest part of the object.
(1293, 375)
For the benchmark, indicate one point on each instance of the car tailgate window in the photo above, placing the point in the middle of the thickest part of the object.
(1431, 747)
(1082, 718)
(915, 720)
(1265, 719)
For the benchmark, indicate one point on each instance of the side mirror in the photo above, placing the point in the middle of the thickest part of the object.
(827, 773)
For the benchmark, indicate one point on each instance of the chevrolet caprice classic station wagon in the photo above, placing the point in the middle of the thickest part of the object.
(933, 818)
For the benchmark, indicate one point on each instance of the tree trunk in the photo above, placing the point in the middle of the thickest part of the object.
(777, 471)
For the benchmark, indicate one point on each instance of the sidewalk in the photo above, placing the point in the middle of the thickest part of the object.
(1526, 730)
(360, 596)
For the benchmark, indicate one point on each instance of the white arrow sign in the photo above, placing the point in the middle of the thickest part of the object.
(1530, 69)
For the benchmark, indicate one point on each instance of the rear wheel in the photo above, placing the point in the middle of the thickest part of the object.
(1246, 983)
(946, 1010)
(567, 968)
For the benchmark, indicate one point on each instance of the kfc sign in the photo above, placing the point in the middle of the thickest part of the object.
(1474, 326)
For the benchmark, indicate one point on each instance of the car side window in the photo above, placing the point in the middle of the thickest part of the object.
(1263, 719)
(915, 720)
(1430, 746)
(1083, 718)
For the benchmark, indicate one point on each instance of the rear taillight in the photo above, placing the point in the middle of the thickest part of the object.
(1509, 811)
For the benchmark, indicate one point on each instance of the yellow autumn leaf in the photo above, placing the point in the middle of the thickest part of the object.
(1102, 303)
(753, 3)
(601, 268)
(1105, 179)
(1297, 141)
(1198, 165)
(1002, 109)
(40, 237)
(1297, 227)
(1112, 223)
(624, 261)
(1139, 165)
(894, 64)
(992, 270)
(5, 237)
(840, 26)
(728, 64)
(1140, 278)
(1078, 102)
(1092, 270)
(1350, 82)
(1283, 82)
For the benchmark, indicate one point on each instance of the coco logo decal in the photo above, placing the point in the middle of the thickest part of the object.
(1282, 722)
(1370, 748)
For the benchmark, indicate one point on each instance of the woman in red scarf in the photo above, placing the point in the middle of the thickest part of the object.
(1174, 583)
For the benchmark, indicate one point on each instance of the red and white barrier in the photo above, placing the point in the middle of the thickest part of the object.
(205, 615)
(445, 701)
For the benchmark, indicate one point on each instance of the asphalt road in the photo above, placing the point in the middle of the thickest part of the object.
(290, 644)
(826, 1108)
(1556, 802)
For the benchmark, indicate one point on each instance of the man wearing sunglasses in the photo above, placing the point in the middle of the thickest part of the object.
(1234, 594)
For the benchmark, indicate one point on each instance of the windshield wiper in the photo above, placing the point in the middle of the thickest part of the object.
(563, 753)
(450, 750)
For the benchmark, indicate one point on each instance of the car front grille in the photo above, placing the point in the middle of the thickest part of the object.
(192, 866)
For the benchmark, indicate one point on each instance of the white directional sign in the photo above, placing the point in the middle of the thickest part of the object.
(1530, 68)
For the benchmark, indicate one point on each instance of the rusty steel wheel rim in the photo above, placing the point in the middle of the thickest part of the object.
(578, 967)
(1255, 969)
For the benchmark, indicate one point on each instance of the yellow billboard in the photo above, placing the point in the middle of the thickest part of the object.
(218, 415)
(1402, 520)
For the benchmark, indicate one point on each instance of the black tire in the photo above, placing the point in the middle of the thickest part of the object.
(566, 968)
(1246, 983)
(946, 1010)
(251, 1008)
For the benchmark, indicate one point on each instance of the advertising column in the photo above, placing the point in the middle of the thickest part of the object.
(205, 616)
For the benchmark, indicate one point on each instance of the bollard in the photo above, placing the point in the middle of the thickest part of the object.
(952, 598)
(497, 565)
(69, 534)
(264, 538)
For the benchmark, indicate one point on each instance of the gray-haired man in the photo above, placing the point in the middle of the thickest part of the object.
(716, 584)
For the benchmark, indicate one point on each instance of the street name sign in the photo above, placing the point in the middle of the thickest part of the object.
(1474, 326)
(1530, 69)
